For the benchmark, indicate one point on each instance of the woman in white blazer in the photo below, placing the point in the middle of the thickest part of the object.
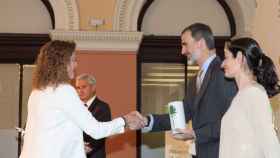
(56, 115)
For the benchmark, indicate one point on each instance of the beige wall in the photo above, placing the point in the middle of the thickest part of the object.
(26, 90)
(9, 101)
(28, 16)
(238, 13)
(244, 12)
(115, 73)
(96, 9)
(266, 28)
(166, 17)
(9, 95)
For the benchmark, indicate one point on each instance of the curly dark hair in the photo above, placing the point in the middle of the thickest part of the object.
(51, 64)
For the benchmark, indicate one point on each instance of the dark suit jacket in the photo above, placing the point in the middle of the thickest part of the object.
(101, 111)
(206, 109)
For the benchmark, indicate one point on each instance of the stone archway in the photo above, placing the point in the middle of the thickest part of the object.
(126, 15)
(66, 14)
(244, 12)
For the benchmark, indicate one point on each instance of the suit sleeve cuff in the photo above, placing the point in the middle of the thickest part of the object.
(150, 126)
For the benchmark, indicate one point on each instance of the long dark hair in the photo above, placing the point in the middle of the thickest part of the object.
(260, 64)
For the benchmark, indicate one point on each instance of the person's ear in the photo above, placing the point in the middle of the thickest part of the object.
(239, 57)
(93, 88)
(201, 43)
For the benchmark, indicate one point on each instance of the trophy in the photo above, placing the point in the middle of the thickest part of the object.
(177, 116)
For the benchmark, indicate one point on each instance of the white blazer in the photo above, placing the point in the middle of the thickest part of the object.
(55, 122)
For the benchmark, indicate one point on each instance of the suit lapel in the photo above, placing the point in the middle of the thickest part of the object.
(93, 105)
(205, 82)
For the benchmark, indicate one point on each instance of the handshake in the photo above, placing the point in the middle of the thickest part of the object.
(134, 120)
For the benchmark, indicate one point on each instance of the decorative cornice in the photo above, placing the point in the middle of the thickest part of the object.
(66, 14)
(126, 15)
(112, 41)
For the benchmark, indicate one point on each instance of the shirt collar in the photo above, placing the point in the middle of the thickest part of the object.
(207, 63)
(89, 102)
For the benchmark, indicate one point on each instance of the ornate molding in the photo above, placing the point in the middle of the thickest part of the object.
(126, 15)
(66, 14)
(110, 41)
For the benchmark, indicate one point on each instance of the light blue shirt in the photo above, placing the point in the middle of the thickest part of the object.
(206, 64)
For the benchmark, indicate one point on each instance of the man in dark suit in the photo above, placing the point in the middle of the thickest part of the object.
(86, 88)
(208, 95)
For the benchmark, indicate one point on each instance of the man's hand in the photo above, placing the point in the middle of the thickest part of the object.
(134, 120)
(184, 134)
(88, 149)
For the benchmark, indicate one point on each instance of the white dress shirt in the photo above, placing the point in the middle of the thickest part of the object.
(56, 121)
(90, 101)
